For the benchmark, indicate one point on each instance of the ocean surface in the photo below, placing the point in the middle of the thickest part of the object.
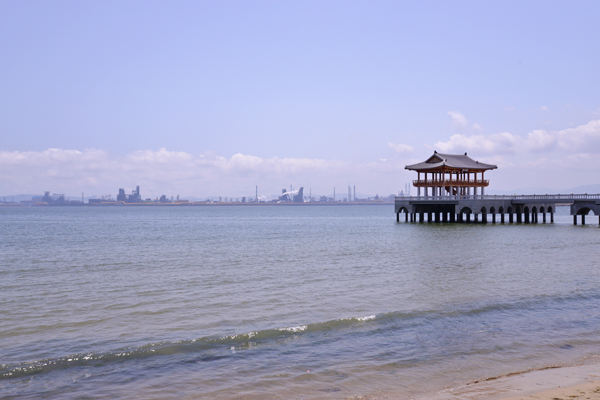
(315, 302)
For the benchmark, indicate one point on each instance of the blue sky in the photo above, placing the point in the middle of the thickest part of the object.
(209, 98)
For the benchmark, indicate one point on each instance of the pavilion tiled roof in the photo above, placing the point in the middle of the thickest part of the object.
(458, 161)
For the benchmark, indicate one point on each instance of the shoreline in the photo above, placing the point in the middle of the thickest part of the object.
(550, 383)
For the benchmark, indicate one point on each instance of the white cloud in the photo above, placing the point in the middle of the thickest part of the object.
(544, 108)
(539, 140)
(584, 138)
(401, 148)
(502, 143)
(552, 158)
(458, 119)
(477, 127)
(96, 172)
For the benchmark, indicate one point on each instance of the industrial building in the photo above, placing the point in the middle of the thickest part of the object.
(134, 197)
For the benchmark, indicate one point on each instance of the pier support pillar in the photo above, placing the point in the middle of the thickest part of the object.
(551, 218)
(429, 218)
(406, 216)
(484, 218)
(582, 219)
(476, 217)
(544, 218)
(510, 218)
(452, 217)
(526, 217)
(437, 217)
(575, 219)
(398, 216)
(468, 217)
(519, 217)
(493, 218)
(444, 217)
(502, 218)
(421, 217)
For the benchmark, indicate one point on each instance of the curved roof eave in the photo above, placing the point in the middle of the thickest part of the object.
(454, 161)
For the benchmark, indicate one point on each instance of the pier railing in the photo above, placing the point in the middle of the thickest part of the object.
(451, 182)
(551, 197)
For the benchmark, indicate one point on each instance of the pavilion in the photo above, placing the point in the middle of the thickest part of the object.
(450, 175)
(451, 183)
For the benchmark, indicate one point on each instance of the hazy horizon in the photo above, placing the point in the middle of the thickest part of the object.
(205, 98)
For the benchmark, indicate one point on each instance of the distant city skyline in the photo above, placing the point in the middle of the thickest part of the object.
(213, 98)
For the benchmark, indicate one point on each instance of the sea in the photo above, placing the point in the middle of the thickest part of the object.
(285, 302)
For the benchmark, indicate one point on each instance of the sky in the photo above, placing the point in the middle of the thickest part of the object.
(207, 98)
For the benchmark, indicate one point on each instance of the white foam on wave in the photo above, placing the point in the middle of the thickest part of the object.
(299, 328)
(367, 318)
(360, 319)
(242, 335)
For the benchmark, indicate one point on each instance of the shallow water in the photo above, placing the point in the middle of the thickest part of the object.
(284, 302)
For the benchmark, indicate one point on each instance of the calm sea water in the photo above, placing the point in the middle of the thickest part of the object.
(284, 302)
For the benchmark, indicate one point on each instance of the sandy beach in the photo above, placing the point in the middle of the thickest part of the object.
(565, 383)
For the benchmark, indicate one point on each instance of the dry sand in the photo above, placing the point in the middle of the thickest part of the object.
(567, 383)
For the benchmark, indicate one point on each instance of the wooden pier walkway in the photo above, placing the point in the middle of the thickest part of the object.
(498, 208)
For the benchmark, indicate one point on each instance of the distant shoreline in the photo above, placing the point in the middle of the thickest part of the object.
(121, 204)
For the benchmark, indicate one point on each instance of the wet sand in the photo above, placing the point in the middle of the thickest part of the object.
(566, 383)
(584, 390)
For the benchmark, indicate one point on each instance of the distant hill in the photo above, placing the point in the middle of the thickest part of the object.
(27, 197)
(18, 197)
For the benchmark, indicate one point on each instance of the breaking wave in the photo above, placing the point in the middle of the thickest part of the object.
(231, 342)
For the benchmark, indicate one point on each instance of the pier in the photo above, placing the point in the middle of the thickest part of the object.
(451, 183)
(495, 208)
